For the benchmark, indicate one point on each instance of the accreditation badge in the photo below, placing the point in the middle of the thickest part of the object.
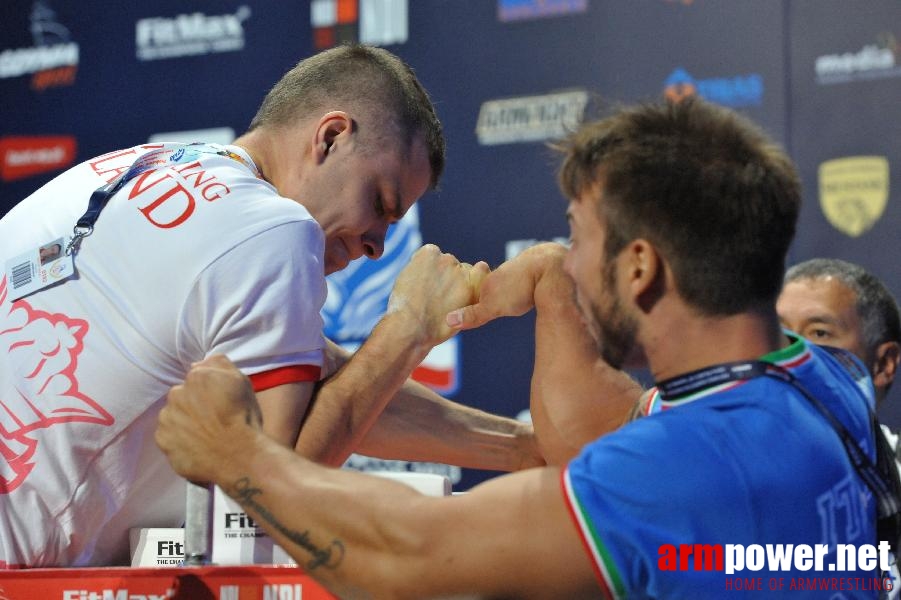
(39, 268)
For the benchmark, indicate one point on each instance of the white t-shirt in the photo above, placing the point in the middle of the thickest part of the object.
(186, 261)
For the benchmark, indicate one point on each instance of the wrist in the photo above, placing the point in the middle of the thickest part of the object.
(401, 333)
(554, 288)
(239, 457)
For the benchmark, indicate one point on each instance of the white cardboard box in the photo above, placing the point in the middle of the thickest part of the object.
(236, 539)
(157, 547)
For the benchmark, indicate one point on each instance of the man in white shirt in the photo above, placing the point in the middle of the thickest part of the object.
(186, 251)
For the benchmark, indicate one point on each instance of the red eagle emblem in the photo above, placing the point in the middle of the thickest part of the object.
(42, 352)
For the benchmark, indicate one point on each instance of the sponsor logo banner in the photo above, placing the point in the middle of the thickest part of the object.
(530, 118)
(854, 192)
(735, 91)
(22, 156)
(520, 10)
(873, 61)
(53, 59)
(195, 34)
(257, 582)
(375, 22)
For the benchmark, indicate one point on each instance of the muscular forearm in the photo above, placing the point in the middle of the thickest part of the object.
(349, 402)
(430, 286)
(419, 424)
(367, 537)
(356, 549)
(363, 536)
(575, 396)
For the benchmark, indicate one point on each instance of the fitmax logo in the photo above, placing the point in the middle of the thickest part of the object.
(238, 520)
(239, 525)
(170, 553)
(190, 34)
(118, 594)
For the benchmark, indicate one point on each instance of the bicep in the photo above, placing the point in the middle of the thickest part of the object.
(283, 408)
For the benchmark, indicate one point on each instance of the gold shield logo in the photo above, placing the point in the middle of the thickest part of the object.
(854, 192)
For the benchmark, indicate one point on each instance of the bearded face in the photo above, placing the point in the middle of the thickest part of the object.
(613, 329)
(594, 274)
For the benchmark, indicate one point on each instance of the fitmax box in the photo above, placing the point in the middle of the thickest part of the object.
(237, 539)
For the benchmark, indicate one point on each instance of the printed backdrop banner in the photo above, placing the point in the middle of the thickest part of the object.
(78, 79)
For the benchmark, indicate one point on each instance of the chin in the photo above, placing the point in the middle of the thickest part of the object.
(336, 263)
(333, 267)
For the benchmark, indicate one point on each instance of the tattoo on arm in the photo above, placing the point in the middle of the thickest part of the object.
(329, 557)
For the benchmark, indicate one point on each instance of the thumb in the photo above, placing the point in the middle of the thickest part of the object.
(468, 317)
(477, 275)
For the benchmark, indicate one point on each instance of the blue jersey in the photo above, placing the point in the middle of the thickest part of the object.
(746, 467)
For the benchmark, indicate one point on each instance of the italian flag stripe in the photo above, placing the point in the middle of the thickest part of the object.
(793, 356)
(665, 404)
(604, 567)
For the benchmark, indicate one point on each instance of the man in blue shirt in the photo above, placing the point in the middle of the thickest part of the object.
(681, 215)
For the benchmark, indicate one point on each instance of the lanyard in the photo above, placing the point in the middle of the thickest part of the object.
(880, 484)
(154, 159)
(696, 381)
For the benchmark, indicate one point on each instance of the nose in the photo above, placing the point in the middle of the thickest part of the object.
(374, 245)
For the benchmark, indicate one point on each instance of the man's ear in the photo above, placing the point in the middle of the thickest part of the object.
(885, 363)
(330, 126)
(644, 269)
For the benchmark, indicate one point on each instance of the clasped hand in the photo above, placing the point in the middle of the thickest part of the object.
(212, 414)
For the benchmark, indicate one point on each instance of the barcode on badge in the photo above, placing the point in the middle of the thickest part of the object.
(21, 275)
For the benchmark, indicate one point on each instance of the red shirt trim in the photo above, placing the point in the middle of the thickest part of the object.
(282, 375)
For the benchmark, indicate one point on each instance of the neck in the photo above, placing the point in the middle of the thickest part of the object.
(690, 342)
(254, 143)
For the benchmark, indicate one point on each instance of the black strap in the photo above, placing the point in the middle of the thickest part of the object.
(98, 201)
(887, 502)
(696, 381)
(882, 481)
(152, 159)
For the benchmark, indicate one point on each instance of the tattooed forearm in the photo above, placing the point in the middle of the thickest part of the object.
(329, 557)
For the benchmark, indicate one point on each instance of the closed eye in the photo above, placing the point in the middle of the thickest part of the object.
(384, 211)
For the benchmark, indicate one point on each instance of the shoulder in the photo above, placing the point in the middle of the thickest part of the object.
(663, 441)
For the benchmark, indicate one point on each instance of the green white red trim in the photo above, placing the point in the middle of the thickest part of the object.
(790, 357)
(604, 567)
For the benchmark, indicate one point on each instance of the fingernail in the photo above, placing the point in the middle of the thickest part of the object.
(455, 318)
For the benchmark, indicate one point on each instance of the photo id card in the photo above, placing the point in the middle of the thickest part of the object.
(39, 268)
